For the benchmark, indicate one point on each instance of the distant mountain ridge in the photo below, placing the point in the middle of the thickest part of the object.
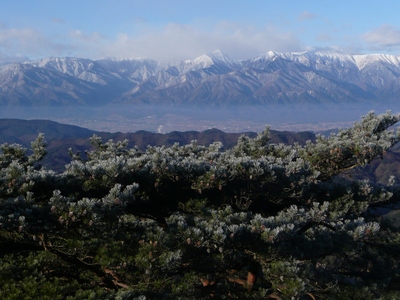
(61, 137)
(213, 79)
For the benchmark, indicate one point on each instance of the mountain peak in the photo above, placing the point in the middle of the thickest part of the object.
(321, 75)
(214, 58)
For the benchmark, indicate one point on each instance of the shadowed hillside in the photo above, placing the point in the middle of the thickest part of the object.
(61, 137)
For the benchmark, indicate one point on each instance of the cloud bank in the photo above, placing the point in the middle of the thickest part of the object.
(171, 42)
(175, 41)
(384, 38)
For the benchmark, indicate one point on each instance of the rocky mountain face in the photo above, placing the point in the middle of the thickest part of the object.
(214, 79)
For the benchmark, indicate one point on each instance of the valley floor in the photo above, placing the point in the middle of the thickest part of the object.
(176, 123)
(164, 119)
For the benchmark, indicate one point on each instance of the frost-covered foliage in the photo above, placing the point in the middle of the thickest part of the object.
(256, 221)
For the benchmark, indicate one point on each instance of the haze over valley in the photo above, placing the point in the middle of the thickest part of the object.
(312, 90)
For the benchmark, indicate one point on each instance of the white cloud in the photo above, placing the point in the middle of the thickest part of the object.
(7, 58)
(384, 37)
(324, 37)
(18, 43)
(10, 37)
(172, 42)
(179, 42)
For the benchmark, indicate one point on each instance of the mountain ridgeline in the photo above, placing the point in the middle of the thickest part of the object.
(214, 80)
(61, 137)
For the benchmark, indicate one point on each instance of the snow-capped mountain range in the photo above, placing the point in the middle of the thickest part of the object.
(210, 79)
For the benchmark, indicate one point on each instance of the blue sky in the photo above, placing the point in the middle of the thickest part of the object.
(176, 30)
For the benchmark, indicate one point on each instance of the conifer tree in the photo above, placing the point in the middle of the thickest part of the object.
(256, 221)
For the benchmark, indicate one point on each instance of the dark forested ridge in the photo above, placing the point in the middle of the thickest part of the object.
(61, 137)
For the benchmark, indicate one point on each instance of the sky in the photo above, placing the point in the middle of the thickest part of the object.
(168, 30)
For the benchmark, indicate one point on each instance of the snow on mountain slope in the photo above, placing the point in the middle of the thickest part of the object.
(273, 77)
(67, 65)
(84, 69)
(215, 58)
(312, 58)
(369, 59)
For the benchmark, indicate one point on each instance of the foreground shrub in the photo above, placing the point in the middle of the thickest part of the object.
(255, 221)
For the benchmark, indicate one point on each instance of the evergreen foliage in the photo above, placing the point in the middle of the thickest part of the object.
(189, 222)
